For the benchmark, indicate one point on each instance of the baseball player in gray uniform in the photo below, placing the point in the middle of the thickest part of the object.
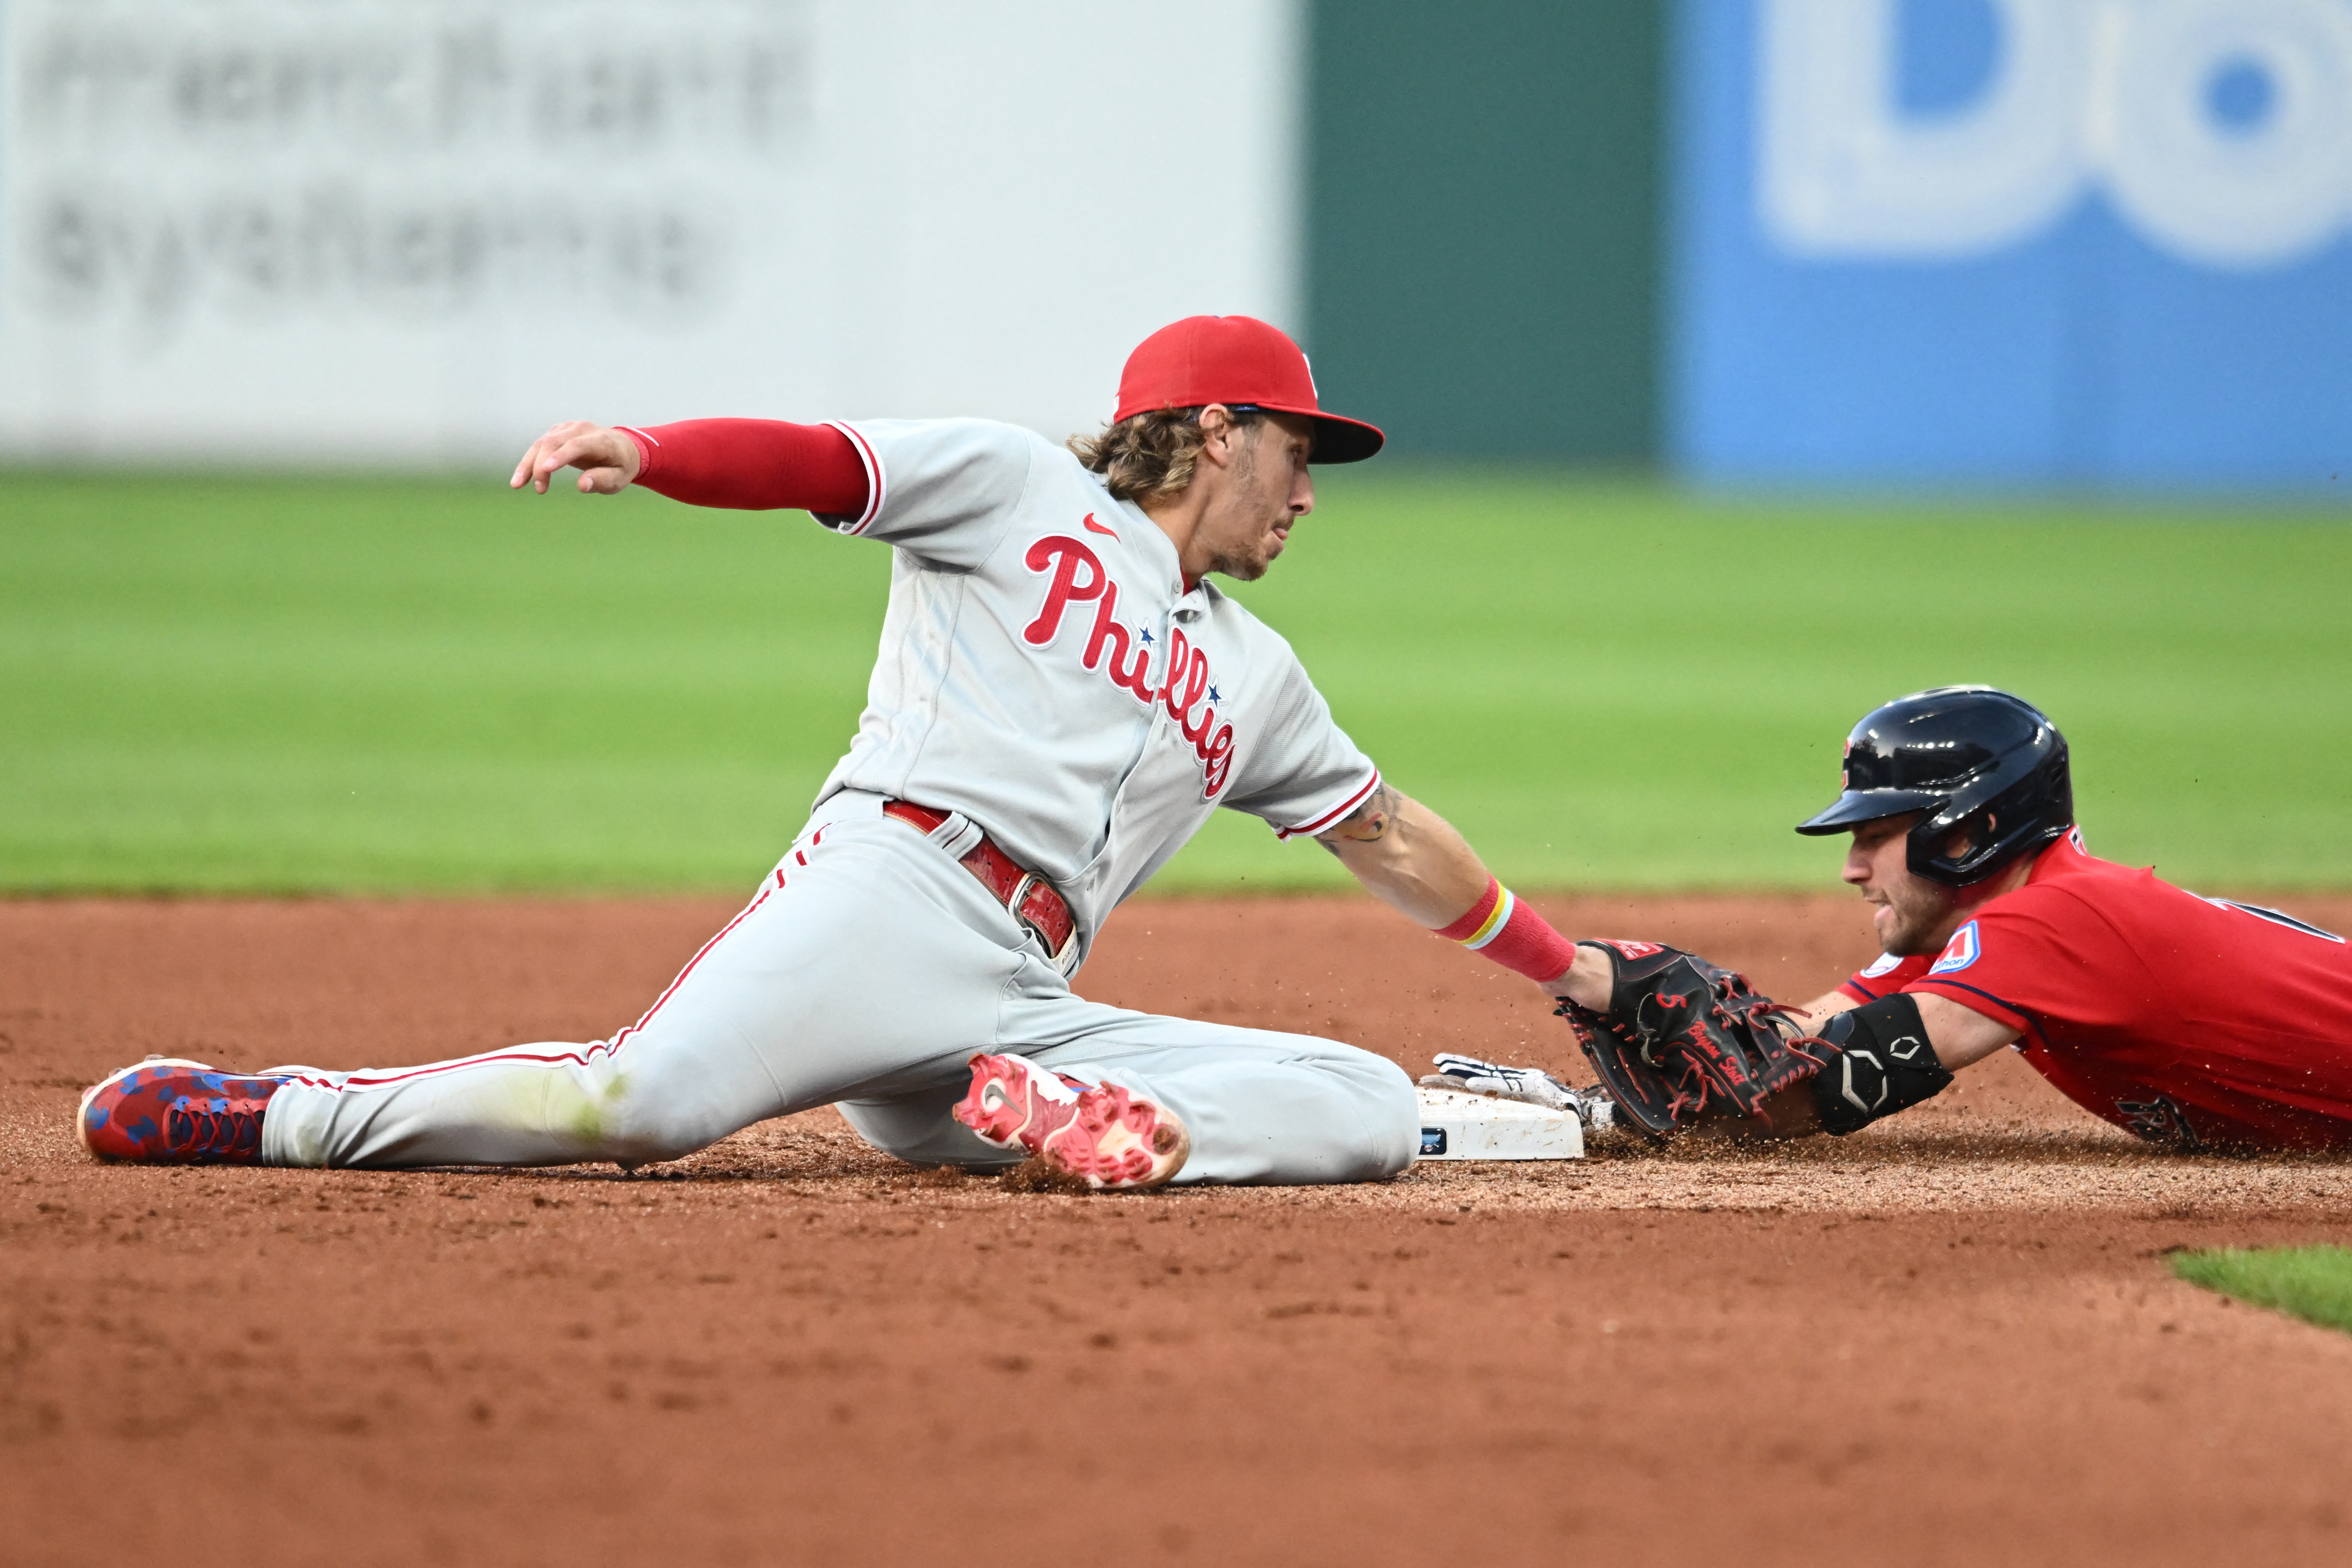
(1061, 699)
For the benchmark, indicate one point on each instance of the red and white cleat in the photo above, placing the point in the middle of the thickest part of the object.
(1097, 1133)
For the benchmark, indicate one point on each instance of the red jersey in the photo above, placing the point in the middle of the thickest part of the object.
(2187, 1020)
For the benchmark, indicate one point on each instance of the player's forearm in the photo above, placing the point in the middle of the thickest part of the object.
(1958, 1038)
(1410, 858)
(1413, 860)
(1821, 1008)
(1962, 1036)
(752, 465)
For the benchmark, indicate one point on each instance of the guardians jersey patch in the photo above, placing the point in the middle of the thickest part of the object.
(1959, 952)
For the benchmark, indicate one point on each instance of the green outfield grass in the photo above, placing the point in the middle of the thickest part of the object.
(2313, 1283)
(279, 684)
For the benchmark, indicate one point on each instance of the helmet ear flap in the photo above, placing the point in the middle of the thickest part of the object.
(1933, 833)
(2035, 810)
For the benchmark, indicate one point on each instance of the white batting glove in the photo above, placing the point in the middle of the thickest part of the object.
(1531, 1085)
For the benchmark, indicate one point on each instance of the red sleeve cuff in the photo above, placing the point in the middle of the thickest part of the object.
(648, 453)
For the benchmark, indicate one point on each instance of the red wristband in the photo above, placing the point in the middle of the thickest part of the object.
(1512, 935)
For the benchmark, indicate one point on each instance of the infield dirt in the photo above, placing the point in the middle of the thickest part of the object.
(1951, 1339)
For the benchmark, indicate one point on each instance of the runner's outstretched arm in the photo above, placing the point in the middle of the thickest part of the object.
(1960, 1037)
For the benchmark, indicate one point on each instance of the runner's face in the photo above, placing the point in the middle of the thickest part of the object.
(1268, 491)
(1913, 914)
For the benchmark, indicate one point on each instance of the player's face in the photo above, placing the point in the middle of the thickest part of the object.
(1913, 914)
(1267, 491)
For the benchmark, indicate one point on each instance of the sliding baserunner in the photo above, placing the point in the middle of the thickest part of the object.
(2191, 1022)
(1062, 697)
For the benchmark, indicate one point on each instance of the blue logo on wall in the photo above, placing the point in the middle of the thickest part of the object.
(2014, 240)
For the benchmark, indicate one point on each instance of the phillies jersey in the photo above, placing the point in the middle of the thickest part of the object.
(1046, 670)
(2186, 1020)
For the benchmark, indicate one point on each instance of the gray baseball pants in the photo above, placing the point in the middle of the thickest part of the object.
(866, 971)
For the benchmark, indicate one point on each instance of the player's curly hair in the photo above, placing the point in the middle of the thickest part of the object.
(1148, 457)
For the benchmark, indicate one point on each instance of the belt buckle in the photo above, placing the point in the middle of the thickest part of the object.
(1066, 958)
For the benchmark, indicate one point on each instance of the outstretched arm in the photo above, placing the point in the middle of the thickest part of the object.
(1821, 1006)
(1413, 861)
(1410, 858)
(755, 465)
(1959, 1037)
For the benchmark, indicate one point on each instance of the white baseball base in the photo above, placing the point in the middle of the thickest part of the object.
(1458, 1126)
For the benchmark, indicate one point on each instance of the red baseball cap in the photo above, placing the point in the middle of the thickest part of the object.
(1244, 363)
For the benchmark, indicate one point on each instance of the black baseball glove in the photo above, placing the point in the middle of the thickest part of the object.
(1682, 1036)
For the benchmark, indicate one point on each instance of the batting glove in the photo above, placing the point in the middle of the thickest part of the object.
(1532, 1085)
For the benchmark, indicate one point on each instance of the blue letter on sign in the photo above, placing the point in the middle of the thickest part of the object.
(2037, 240)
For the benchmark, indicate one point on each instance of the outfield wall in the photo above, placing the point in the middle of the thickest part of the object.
(1901, 242)
(2041, 242)
(369, 230)
(1483, 217)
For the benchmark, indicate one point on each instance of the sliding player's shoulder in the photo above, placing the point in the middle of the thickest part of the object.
(911, 449)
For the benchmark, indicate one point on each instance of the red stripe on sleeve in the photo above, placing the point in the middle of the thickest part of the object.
(1338, 813)
(753, 465)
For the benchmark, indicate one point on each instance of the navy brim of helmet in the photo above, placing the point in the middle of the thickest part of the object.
(1337, 439)
(1858, 805)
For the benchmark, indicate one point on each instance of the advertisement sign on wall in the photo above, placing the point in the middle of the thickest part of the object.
(424, 230)
(2014, 240)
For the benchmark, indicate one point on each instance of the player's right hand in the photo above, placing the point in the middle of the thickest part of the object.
(607, 458)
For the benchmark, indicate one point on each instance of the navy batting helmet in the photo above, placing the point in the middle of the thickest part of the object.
(1964, 755)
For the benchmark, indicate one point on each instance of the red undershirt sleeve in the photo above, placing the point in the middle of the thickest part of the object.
(752, 465)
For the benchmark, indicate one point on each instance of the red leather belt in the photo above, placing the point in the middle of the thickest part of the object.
(1027, 896)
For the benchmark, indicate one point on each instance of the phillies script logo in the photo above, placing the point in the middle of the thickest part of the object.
(1079, 578)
